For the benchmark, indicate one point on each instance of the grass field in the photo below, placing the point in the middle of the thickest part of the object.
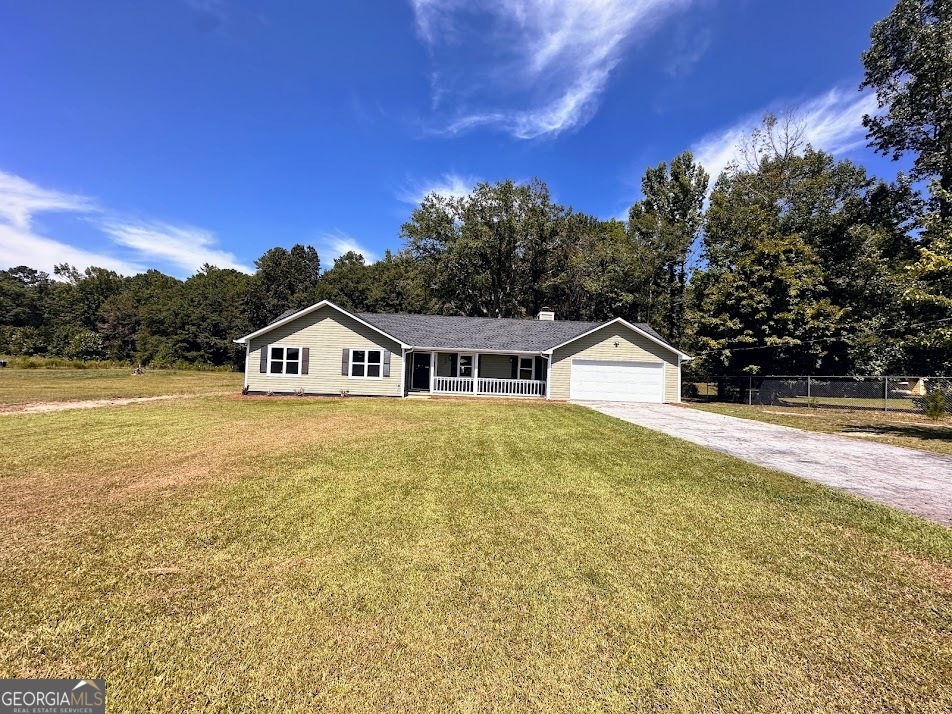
(915, 431)
(28, 386)
(238, 554)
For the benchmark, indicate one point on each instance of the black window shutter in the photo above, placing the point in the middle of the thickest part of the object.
(539, 368)
(264, 358)
(345, 363)
(454, 358)
(305, 359)
(386, 363)
(514, 366)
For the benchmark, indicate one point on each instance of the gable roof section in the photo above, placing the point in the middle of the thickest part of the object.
(477, 333)
(290, 315)
(442, 332)
(641, 327)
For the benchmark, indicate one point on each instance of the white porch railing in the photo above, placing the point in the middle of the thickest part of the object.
(489, 386)
(512, 387)
(453, 385)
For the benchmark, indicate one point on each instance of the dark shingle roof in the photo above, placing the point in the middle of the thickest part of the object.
(481, 333)
(286, 313)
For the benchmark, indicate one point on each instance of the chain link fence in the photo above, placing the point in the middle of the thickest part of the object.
(916, 395)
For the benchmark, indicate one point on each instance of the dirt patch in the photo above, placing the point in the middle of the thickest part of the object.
(163, 571)
(928, 424)
(43, 407)
(937, 573)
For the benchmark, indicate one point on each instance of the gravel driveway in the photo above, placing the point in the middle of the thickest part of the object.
(914, 481)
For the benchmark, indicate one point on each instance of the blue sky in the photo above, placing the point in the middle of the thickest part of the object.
(169, 133)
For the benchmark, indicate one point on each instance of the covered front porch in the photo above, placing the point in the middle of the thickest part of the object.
(476, 373)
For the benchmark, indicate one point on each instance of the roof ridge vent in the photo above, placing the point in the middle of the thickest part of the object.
(546, 314)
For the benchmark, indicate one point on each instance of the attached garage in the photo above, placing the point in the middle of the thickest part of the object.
(616, 362)
(617, 381)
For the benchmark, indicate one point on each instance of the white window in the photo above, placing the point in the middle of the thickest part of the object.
(465, 366)
(284, 360)
(526, 368)
(366, 364)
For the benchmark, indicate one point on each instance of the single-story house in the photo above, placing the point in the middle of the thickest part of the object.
(324, 349)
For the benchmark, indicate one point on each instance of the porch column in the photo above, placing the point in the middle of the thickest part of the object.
(432, 369)
(403, 371)
(548, 375)
(475, 373)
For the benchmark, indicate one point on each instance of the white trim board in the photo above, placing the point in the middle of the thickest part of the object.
(479, 350)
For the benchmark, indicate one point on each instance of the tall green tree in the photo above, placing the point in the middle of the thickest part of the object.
(909, 65)
(22, 291)
(74, 303)
(762, 307)
(285, 280)
(663, 226)
(595, 276)
(929, 294)
(486, 254)
(348, 284)
(829, 245)
(24, 294)
(858, 228)
(392, 284)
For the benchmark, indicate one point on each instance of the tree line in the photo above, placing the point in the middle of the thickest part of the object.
(792, 262)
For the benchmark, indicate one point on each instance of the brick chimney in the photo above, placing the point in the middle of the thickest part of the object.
(546, 314)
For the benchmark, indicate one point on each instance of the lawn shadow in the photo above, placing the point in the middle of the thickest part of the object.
(916, 431)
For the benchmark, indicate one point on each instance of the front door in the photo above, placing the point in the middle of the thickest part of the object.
(420, 375)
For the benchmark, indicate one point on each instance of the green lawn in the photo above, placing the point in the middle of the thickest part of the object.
(301, 555)
(28, 386)
(914, 431)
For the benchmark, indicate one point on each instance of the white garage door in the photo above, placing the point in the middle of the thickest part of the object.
(599, 380)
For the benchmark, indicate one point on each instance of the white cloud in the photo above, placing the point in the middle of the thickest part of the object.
(19, 246)
(532, 67)
(450, 185)
(689, 50)
(334, 244)
(20, 199)
(832, 122)
(185, 247)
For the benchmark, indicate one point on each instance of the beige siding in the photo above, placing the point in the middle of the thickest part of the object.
(444, 364)
(600, 344)
(672, 381)
(327, 332)
(495, 367)
(490, 366)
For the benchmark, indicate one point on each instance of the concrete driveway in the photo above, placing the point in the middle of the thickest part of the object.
(915, 481)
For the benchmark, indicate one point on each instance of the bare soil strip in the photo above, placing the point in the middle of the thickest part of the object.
(42, 407)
